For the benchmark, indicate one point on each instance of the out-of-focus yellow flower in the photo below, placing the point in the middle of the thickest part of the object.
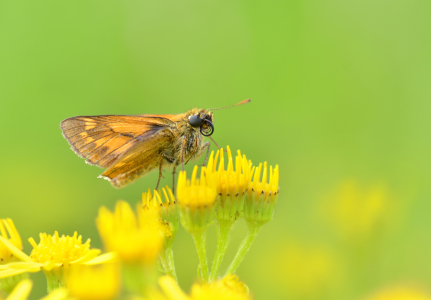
(401, 293)
(94, 282)
(169, 220)
(231, 184)
(171, 290)
(305, 272)
(135, 238)
(196, 198)
(227, 288)
(357, 213)
(262, 195)
(58, 294)
(52, 255)
(21, 291)
(8, 231)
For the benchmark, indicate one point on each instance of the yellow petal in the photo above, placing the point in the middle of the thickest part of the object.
(21, 291)
(91, 254)
(11, 272)
(28, 266)
(14, 250)
(104, 258)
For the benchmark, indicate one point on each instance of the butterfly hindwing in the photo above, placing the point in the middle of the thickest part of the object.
(139, 159)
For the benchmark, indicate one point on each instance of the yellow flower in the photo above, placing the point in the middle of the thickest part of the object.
(8, 231)
(262, 195)
(401, 293)
(134, 237)
(94, 282)
(167, 209)
(196, 198)
(53, 255)
(169, 224)
(231, 184)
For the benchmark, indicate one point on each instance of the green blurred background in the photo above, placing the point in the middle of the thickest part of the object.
(341, 101)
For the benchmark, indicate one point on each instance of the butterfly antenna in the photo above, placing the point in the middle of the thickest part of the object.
(216, 144)
(241, 103)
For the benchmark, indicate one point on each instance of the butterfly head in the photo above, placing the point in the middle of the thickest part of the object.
(204, 121)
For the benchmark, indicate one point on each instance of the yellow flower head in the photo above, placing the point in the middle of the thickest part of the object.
(53, 255)
(134, 237)
(196, 193)
(262, 195)
(94, 282)
(262, 189)
(231, 184)
(9, 232)
(232, 181)
(196, 198)
(227, 288)
(55, 250)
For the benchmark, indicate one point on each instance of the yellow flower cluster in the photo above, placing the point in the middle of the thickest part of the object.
(137, 240)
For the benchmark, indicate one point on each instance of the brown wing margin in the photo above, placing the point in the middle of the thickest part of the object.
(102, 139)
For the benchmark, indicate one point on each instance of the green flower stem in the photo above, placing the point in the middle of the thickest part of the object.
(200, 242)
(167, 260)
(54, 279)
(223, 232)
(243, 249)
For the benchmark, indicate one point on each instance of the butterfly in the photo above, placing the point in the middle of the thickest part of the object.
(129, 147)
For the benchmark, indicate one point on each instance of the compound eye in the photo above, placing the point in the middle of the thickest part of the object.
(195, 121)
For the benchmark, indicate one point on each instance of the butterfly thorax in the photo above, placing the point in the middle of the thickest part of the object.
(188, 137)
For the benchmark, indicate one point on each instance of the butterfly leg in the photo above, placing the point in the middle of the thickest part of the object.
(174, 171)
(160, 172)
(183, 148)
(208, 146)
